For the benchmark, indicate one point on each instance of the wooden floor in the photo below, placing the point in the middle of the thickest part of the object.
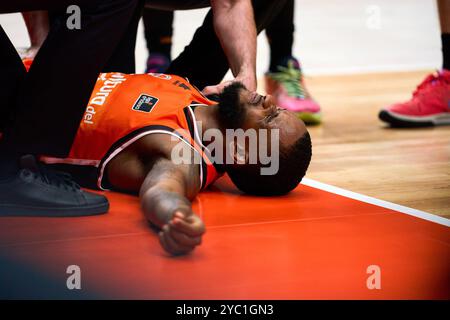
(352, 149)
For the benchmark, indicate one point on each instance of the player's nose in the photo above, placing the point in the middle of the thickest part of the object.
(269, 101)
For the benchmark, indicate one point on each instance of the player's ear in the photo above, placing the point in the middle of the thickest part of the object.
(238, 153)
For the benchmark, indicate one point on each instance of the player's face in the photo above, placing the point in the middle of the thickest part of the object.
(240, 108)
(261, 112)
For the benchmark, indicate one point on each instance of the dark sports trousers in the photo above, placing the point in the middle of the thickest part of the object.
(203, 61)
(158, 31)
(40, 111)
(280, 33)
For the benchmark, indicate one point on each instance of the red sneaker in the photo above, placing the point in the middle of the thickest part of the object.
(429, 105)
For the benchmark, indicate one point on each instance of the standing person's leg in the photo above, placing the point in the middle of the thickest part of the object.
(48, 105)
(203, 61)
(123, 59)
(280, 34)
(63, 75)
(285, 79)
(429, 105)
(158, 34)
(13, 72)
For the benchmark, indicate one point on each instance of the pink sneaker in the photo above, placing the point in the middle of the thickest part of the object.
(157, 63)
(429, 105)
(288, 89)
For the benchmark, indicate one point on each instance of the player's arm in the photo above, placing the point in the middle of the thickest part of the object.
(234, 24)
(165, 199)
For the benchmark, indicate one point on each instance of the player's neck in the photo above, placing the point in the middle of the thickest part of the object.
(208, 117)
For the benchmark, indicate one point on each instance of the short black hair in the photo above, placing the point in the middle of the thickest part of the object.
(293, 163)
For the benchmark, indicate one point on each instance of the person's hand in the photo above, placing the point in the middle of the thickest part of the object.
(248, 81)
(182, 234)
(217, 89)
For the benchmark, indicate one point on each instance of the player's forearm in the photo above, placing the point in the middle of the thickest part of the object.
(159, 206)
(37, 25)
(235, 27)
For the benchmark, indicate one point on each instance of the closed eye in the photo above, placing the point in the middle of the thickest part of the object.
(272, 116)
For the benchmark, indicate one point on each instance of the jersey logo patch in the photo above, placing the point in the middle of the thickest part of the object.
(145, 103)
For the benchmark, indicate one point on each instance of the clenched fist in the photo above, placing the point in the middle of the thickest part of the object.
(182, 234)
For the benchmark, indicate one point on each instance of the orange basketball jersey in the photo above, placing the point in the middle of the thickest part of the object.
(124, 108)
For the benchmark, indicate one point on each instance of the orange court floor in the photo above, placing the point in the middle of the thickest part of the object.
(318, 242)
(310, 244)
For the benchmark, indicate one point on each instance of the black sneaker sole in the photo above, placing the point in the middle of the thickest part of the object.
(401, 123)
(9, 210)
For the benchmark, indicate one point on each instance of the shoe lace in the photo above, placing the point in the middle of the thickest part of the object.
(52, 177)
(291, 78)
(429, 80)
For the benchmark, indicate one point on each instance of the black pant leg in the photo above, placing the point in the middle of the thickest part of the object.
(203, 61)
(172, 5)
(123, 59)
(33, 5)
(280, 34)
(13, 72)
(54, 94)
(158, 30)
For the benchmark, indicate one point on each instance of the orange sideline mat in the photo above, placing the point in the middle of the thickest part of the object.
(310, 244)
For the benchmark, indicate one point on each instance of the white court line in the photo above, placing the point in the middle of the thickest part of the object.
(381, 203)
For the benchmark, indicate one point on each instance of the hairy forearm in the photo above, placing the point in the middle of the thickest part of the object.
(235, 27)
(159, 206)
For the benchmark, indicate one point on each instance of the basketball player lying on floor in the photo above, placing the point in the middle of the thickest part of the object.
(132, 136)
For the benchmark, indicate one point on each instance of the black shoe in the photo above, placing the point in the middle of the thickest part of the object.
(38, 191)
